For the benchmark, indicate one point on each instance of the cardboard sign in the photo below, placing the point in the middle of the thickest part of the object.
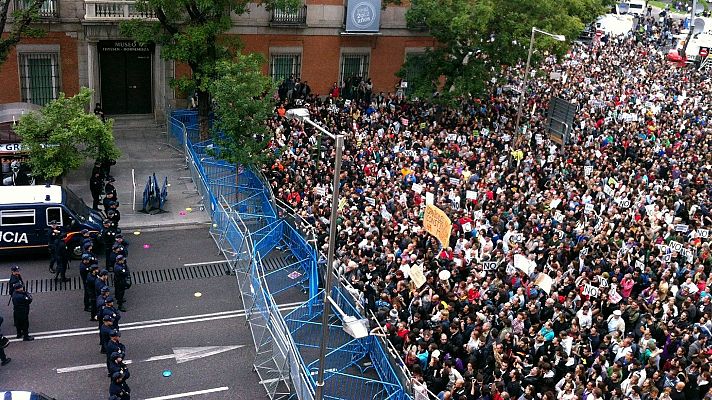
(681, 228)
(489, 265)
(417, 188)
(587, 170)
(417, 276)
(437, 223)
(667, 258)
(687, 253)
(523, 264)
(591, 291)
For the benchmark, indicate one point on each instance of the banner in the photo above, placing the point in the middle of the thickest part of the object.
(437, 223)
(363, 16)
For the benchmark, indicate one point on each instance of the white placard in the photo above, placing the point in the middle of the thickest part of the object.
(371, 201)
(558, 216)
(704, 233)
(607, 190)
(321, 191)
(417, 188)
(489, 265)
(625, 203)
(587, 170)
(517, 238)
(667, 258)
(429, 198)
(588, 208)
(410, 153)
(470, 195)
(591, 291)
(454, 181)
(681, 228)
(639, 265)
(451, 137)
(687, 253)
(583, 252)
(676, 246)
(603, 282)
(467, 227)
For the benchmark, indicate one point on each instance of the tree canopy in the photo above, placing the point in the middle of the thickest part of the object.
(21, 21)
(63, 134)
(191, 32)
(242, 103)
(476, 37)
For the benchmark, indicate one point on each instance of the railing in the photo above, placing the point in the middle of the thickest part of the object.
(115, 10)
(282, 17)
(49, 8)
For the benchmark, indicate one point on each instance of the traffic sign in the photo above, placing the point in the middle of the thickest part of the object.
(704, 51)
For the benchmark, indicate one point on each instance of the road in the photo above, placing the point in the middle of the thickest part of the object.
(202, 340)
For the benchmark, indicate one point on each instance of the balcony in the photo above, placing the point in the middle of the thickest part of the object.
(114, 10)
(289, 18)
(49, 9)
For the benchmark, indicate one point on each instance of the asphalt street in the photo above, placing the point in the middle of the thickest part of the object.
(202, 340)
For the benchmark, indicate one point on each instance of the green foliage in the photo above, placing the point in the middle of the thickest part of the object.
(242, 104)
(476, 37)
(22, 20)
(63, 134)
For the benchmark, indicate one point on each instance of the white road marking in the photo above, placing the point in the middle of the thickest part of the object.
(180, 354)
(153, 323)
(205, 263)
(188, 394)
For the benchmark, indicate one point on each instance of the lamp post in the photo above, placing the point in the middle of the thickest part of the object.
(303, 115)
(523, 88)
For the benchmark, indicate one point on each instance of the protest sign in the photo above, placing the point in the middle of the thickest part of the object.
(591, 291)
(429, 199)
(371, 201)
(675, 246)
(603, 282)
(417, 188)
(417, 276)
(681, 228)
(523, 264)
(588, 208)
(454, 181)
(470, 195)
(607, 190)
(544, 282)
(587, 170)
(489, 265)
(517, 238)
(437, 223)
(703, 233)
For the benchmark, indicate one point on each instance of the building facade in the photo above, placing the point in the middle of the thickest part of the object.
(321, 43)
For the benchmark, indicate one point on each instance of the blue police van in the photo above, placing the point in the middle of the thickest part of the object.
(26, 212)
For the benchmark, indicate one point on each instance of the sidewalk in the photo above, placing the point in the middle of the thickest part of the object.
(143, 148)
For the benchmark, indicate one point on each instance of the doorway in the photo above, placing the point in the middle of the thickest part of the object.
(125, 69)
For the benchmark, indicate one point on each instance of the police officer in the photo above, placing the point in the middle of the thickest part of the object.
(99, 304)
(114, 346)
(113, 214)
(4, 359)
(21, 312)
(117, 250)
(105, 331)
(108, 199)
(87, 240)
(15, 278)
(118, 389)
(62, 254)
(108, 238)
(122, 280)
(121, 240)
(85, 268)
(108, 309)
(117, 364)
(95, 186)
(109, 188)
(53, 235)
(102, 280)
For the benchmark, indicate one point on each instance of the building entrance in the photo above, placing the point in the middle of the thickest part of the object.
(125, 77)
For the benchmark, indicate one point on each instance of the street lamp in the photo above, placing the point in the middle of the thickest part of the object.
(352, 326)
(522, 90)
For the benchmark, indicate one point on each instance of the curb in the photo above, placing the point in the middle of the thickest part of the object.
(167, 226)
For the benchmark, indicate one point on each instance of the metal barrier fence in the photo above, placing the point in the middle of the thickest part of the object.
(249, 224)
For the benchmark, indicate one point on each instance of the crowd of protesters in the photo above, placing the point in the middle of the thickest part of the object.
(572, 272)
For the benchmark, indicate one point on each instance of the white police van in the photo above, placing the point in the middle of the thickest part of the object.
(26, 211)
(22, 395)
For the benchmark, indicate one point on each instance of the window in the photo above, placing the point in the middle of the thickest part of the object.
(354, 65)
(54, 214)
(39, 77)
(49, 8)
(282, 66)
(17, 217)
(415, 62)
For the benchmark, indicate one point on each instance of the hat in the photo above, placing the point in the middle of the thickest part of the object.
(105, 289)
(115, 333)
(109, 299)
(93, 266)
(120, 257)
(86, 256)
(111, 179)
(436, 354)
(617, 313)
(53, 222)
(117, 375)
(107, 318)
(15, 268)
(116, 355)
(106, 221)
(84, 231)
(119, 236)
(103, 272)
(18, 285)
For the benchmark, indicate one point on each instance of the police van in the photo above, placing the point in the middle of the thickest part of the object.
(26, 211)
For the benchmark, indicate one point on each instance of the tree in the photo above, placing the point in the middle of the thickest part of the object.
(63, 134)
(21, 24)
(242, 104)
(191, 32)
(476, 37)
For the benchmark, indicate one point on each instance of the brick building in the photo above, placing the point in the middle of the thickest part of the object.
(83, 47)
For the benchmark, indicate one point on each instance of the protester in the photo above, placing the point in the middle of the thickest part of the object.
(579, 271)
